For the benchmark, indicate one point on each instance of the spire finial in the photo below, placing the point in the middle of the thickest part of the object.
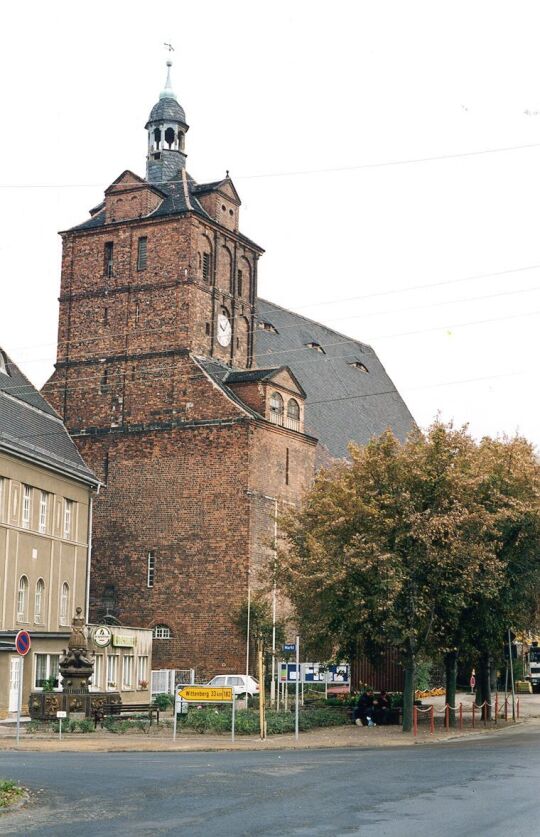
(168, 92)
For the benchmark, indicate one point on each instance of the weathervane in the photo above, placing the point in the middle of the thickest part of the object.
(169, 47)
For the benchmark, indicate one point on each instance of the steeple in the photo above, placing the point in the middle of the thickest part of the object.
(167, 129)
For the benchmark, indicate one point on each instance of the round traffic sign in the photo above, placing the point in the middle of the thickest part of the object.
(23, 643)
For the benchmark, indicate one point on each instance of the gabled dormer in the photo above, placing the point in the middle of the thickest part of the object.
(221, 200)
(129, 197)
(273, 393)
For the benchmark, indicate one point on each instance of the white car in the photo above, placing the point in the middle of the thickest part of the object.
(242, 684)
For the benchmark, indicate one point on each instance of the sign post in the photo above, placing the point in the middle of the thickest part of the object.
(296, 685)
(23, 644)
(61, 714)
(205, 694)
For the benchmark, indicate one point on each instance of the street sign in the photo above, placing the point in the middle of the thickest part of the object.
(23, 643)
(206, 694)
(61, 714)
(289, 648)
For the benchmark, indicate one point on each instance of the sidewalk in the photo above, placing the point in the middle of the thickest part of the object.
(346, 736)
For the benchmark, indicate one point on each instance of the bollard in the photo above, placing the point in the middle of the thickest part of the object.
(415, 720)
(432, 721)
(473, 706)
(447, 716)
(461, 716)
(506, 709)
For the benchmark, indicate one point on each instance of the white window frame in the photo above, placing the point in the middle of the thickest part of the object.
(142, 670)
(63, 613)
(151, 569)
(48, 672)
(97, 674)
(43, 509)
(161, 632)
(26, 506)
(112, 672)
(22, 599)
(39, 597)
(68, 517)
(127, 672)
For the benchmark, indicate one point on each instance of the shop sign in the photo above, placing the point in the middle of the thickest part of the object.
(102, 636)
(123, 641)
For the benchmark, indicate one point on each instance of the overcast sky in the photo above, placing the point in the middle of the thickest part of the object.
(387, 155)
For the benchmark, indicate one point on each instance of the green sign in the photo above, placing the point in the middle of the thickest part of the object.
(122, 641)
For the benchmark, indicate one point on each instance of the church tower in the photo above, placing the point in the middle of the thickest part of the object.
(156, 383)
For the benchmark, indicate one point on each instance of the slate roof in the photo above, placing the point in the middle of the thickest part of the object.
(343, 403)
(30, 427)
(167, 110)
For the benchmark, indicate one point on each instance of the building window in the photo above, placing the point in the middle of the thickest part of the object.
(276, 408)
(207, 328)
(97, 674)
(142, 672)
(38, 602)
(141, 253)
(161, 632)
(127, 672)
(105, 316)
(206, 266)
(293, 414)
(150, 569)
(22, 599)
(47, 671)
(112, 671)
(286, 466)
(68, 517)
(267, 327)
(316, 346)
(64, 604)
(108, 258)
(358, 365)
(43, 509)
(3, 367)
(239, 282)
(26, 506)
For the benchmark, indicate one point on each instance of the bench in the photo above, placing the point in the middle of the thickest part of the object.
(120, 711)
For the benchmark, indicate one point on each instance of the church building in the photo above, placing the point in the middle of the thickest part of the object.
(203, 409)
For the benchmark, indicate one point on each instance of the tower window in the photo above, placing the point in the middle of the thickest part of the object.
(169, 137)
(157, 137)
(207, 328)
(151, 569)
(108, 257)
(161, 632)
(141, 252)
(239, 282)
(105, 316)
(206, 264)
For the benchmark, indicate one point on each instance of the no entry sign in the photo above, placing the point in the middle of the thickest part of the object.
(23, 643)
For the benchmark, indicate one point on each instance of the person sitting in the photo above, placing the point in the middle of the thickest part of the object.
(363, 714)
(382, 708)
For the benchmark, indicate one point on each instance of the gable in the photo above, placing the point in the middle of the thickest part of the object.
(129, 197)
(284, 378)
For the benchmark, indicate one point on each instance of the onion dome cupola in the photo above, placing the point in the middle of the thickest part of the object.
(167, 129)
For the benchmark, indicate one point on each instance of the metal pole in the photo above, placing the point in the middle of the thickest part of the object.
(233, 716)
(512, 676)
(297, 683)
(19, 697)
(175, 713)
(272, 681)
(60, 728)
(261, 690)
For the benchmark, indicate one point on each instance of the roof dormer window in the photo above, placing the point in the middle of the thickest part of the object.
(316, 346)
(3, 366)
(267, 327)
(357, 365)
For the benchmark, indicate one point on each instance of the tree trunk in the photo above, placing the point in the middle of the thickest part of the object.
(484, 683)
(408, 691)
(450, 666)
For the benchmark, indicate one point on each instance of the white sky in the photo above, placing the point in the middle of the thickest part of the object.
(302, 101)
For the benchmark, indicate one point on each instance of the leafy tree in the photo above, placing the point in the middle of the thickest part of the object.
(392, 547)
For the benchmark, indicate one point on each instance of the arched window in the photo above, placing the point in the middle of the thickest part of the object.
(22, 599)
(3, 367)
(161, 632)
(157, 137)
(38, 602)
(293, 409)
(64, 604)
(276, 408)
(169, 137)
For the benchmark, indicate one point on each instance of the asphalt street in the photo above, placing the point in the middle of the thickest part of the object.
(482, 787)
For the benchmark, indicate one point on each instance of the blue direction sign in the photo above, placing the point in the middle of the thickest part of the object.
(289, 648)
(23, 643)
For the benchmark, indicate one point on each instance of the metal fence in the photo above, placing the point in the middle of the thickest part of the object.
(165, 680)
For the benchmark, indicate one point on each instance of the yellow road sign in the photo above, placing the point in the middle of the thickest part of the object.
(200, 694)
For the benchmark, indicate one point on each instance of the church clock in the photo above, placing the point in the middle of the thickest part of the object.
(224, 330)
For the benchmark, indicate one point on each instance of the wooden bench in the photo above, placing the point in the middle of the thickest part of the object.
(122, 712)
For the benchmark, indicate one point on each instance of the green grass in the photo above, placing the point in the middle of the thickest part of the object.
(10, 792)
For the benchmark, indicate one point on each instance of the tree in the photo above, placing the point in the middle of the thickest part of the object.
(391, 547)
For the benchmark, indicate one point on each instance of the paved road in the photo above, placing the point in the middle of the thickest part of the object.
(483, 787)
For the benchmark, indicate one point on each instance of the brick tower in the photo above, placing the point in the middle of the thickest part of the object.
(155, 380)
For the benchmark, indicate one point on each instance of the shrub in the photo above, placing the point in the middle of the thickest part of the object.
(163, 701)
(247, 721)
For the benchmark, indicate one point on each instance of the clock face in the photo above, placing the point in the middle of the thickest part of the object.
(223, 330)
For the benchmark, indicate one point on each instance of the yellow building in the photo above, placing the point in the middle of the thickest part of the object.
(45, 520)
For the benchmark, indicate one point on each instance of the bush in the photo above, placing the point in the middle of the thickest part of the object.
(247, 721)
(163, 701)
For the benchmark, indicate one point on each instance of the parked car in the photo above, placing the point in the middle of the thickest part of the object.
(241, 683)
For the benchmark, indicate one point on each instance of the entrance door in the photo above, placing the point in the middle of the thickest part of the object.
(14, 679)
